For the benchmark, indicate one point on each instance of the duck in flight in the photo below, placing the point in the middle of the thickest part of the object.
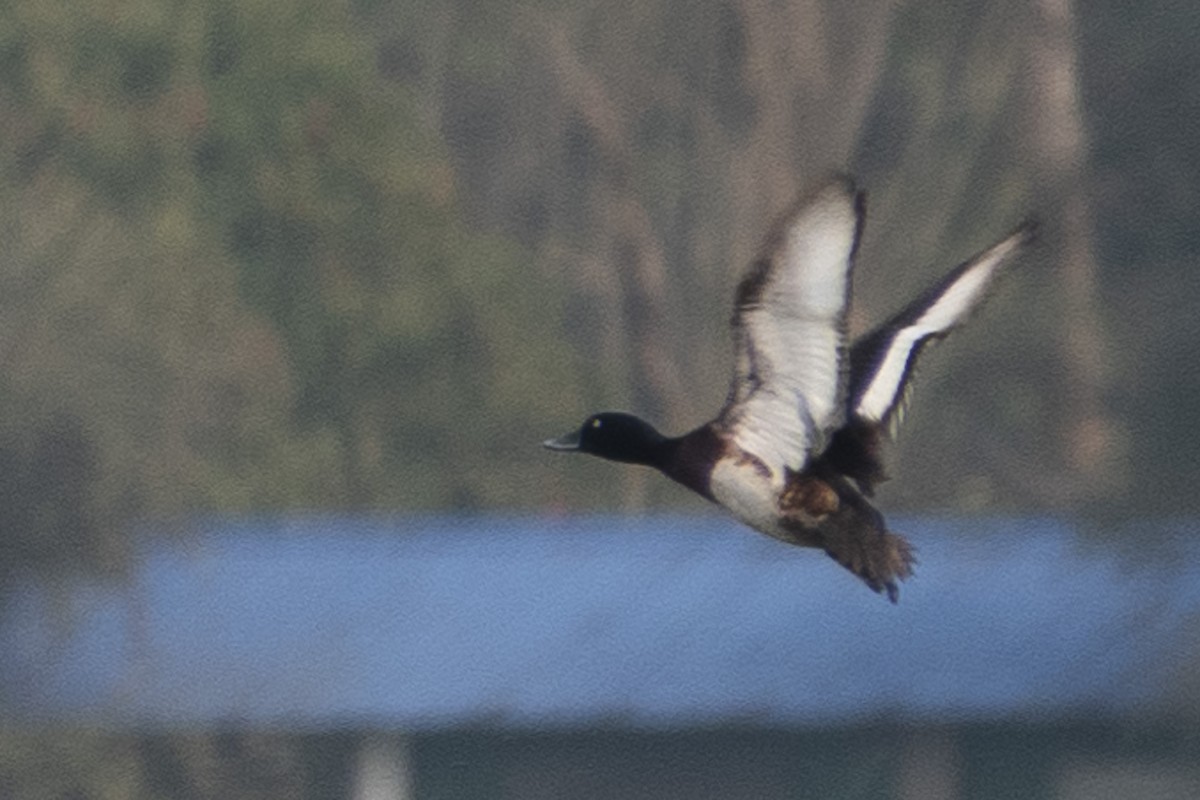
(796, 450)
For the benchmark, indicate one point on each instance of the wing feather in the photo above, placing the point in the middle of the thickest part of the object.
(789, 325)
(882, 362)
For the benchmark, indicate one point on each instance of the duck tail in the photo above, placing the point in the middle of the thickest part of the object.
(899, 560)
(880, 560)
(857, 538)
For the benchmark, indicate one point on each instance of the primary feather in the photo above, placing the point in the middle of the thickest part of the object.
(882, 361)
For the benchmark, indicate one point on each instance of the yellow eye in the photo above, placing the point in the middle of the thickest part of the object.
(595, 423)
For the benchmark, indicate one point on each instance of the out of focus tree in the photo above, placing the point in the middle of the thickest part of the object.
(69, 764)
(655, 158)
(366, 255)
(1140, 75)
(230, 764)
(235, 278)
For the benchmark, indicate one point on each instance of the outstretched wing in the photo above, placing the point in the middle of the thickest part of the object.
(789, 326)
(881, 362)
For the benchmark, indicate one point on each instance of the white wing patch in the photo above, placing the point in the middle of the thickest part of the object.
(790, 332)
(895, 345)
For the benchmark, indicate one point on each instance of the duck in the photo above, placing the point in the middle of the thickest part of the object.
(796, 452)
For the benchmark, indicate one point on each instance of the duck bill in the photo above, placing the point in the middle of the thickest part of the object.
(565, 443)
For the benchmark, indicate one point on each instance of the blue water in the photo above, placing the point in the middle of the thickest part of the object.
(649, 622)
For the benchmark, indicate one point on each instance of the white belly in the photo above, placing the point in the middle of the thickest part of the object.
(749, 496)
(754, 500)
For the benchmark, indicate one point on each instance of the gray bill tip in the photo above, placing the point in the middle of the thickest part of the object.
(569, 441)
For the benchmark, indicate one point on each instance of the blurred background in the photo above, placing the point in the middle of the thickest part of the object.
(354, 261)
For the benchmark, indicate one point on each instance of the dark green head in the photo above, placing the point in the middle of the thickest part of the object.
(615, 436)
